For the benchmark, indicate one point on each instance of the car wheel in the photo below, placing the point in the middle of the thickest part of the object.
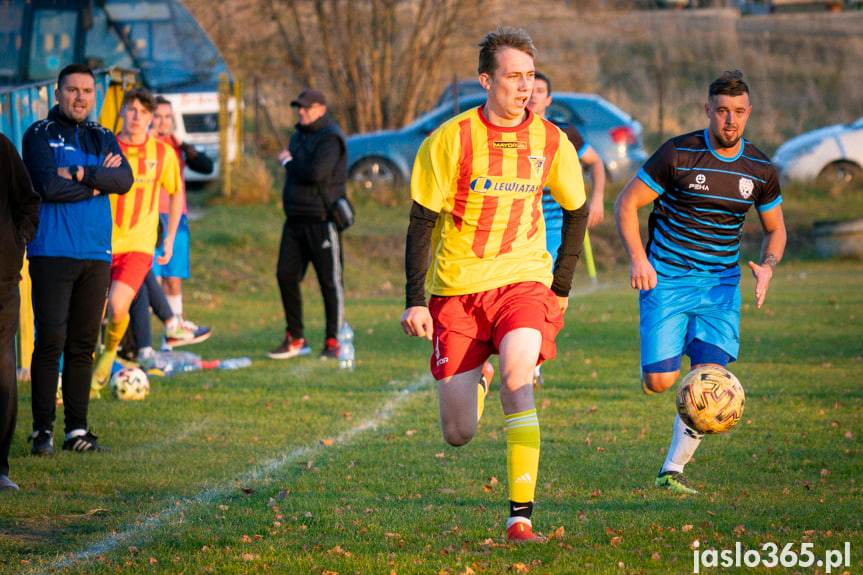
(376, 174)
(841, 175)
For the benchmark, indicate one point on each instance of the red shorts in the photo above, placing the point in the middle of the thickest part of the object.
(468, 328)
(131, 268)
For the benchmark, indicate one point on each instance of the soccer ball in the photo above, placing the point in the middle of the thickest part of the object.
(710, 399)
(130, 383)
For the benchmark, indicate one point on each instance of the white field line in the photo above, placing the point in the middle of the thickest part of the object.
(143, 529)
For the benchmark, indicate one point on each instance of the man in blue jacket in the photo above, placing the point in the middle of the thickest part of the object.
(74, 164)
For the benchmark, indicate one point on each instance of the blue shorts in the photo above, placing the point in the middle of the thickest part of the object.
(178, 266)
(679, 310)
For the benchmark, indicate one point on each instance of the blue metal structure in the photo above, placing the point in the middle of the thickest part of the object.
(21, 106)
(160, 39)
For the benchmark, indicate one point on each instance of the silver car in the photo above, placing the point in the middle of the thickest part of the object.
(386, 158)
(831, 156)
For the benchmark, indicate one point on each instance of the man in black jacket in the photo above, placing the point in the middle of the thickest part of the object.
(316, 172)
(74, 164)
(19, 217)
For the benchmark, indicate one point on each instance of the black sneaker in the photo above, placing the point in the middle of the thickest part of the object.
(43, 442)
(331, 349)
(86, 442)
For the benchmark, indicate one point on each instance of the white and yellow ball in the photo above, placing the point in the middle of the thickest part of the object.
(710, 399)
(130, 383)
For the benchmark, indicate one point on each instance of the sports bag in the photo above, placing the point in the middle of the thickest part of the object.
(342, 213)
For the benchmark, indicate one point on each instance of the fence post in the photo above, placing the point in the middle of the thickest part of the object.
(224, 159)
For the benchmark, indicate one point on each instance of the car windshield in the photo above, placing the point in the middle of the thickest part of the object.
(168, 45)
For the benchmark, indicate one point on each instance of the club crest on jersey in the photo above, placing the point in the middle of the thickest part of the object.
(746, 187)
(537, 162)
(151, 165)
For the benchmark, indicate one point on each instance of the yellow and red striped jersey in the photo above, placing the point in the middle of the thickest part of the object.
(136, 214)
(486, 182)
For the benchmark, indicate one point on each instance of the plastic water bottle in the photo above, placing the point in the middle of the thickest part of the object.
(235, 363)
(171, 362)
(347, 358)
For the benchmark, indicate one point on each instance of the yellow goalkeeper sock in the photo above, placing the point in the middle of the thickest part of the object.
(522, 454)
(114, 333)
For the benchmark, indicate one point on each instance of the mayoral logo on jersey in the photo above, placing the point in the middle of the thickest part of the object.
(746, 187)
(537, 163)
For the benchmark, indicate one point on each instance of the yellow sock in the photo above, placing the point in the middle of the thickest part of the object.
(114, 333)
(480, 401)
(522, 454)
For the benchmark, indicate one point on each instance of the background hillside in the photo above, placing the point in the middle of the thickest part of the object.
(805, 69)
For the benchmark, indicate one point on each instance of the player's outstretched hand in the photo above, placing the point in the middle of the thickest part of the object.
(417, 322)
(762, 275)
(642, 276)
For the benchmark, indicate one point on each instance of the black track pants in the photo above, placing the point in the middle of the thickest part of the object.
(320, 244)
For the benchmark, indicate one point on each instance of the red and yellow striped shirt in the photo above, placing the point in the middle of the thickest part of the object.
(486, 183)
(136, 214)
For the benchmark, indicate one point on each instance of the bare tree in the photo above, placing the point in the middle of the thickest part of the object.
(380, 58)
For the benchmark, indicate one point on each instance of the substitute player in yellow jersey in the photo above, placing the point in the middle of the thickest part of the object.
(477, 204)
(136, 219)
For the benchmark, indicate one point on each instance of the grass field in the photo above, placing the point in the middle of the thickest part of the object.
(297, 467)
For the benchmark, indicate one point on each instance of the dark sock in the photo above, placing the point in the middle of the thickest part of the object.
(520, 509)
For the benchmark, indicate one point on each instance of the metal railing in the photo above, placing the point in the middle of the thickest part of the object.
(21, 106)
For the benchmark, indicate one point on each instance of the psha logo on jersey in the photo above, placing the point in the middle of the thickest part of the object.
(746, 187)
(700, 183)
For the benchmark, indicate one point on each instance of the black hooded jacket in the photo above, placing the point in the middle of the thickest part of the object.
(317, 173)
(19, 211)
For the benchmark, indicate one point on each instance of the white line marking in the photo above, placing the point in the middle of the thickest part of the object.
(143, 529)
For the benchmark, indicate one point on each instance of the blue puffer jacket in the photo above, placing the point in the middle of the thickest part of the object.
(73, 223)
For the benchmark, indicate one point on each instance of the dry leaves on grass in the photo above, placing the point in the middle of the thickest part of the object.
(490, 485)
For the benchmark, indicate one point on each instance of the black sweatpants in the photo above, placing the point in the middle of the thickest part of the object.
(321, 244)
(68, 300)
(10, 304)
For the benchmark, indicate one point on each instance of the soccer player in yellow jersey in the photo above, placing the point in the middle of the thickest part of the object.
(136, 219)
(477, 204)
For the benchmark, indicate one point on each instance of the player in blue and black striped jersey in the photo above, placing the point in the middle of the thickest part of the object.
(701, 185)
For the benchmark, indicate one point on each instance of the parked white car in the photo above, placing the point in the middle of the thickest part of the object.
(831, 156)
